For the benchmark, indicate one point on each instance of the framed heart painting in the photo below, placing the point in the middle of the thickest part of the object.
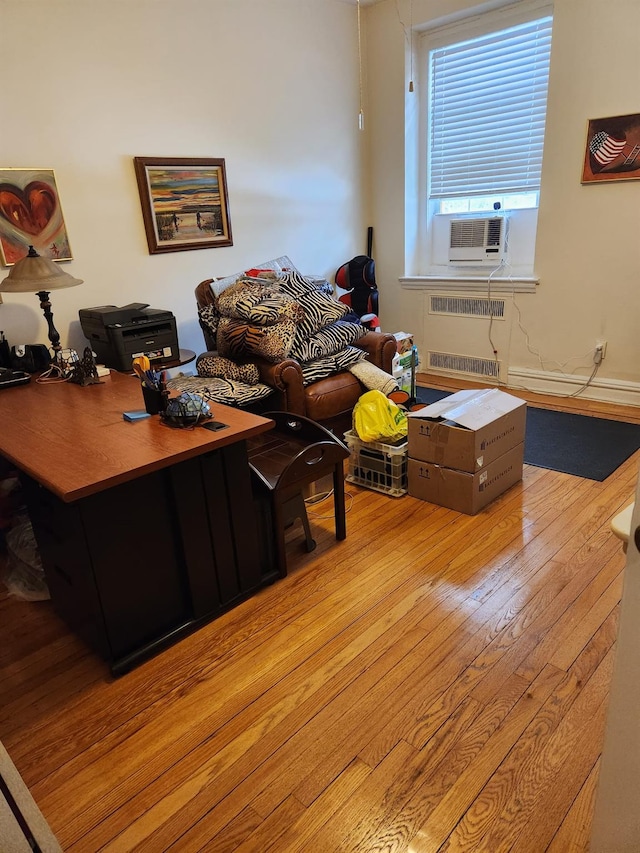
(31, 215)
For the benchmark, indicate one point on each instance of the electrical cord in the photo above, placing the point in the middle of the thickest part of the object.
(588, 382)
(494, 348)
(348, 505)
(408, 35)
(316, 499)
(541, 360)
(582, 388)
(528, 345)
(52, 374)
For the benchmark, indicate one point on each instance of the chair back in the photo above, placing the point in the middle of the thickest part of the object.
(204, 294)
(204, 297)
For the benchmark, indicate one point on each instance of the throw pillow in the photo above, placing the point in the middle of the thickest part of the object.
(273, 308)
(210, 318)
(320, 368)
(327, 341)
(215, 365)
(229, 392)
(258, 301)
(242, 341)
(245, 292)
(295, 284)
(320, 310)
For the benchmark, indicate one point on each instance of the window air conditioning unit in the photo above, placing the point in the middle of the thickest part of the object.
(477, 241)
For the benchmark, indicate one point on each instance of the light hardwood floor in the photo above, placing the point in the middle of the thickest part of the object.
(437, 682)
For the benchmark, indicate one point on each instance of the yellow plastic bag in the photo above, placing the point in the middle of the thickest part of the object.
(376, 418)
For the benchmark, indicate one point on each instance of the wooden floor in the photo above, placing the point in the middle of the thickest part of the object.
(437, 682)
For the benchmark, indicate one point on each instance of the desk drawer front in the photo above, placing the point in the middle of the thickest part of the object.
(66, 560)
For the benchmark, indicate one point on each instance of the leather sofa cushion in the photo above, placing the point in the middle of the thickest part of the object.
(331, 396)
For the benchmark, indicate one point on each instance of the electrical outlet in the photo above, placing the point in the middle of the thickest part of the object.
(599, 352)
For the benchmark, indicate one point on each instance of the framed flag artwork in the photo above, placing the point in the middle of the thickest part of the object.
(612, 152)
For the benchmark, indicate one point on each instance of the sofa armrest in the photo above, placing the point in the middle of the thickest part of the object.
(286, 378)
(380, 349)
(279, 375)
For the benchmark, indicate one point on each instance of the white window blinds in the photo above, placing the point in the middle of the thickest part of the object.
(488, 106)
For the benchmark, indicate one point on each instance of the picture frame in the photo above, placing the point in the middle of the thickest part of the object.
(31, 215)
(185, 203)
(612, 150)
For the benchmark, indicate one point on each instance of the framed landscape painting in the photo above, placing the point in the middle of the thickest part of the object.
(185, 204)
(31, 215)
(613, 149)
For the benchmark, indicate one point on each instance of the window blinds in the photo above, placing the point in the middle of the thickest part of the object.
(488, 106)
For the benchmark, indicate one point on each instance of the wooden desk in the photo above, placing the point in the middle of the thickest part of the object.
(145, 531)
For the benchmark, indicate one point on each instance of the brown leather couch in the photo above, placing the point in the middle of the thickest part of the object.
(329, 401)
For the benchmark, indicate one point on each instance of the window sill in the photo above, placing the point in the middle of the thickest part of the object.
(471, 283)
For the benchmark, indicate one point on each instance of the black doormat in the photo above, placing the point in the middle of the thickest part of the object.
(587, 447)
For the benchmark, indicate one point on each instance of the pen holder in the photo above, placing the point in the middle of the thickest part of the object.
(155, 401)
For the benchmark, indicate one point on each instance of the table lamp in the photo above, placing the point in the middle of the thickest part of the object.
(35, 274)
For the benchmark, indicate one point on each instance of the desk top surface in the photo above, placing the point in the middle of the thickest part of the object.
(74, 441)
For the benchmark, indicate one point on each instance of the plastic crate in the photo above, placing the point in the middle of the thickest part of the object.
(376, 465)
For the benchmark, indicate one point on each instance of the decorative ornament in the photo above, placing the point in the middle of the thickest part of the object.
(84, 371)
(186, 410)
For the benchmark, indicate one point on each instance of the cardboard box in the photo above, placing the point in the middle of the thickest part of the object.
(467, 430)
(404, 341)
(463, 491)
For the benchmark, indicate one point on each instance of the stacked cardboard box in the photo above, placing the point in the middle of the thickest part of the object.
(467, 449)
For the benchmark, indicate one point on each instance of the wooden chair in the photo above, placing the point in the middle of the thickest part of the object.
(297, 452)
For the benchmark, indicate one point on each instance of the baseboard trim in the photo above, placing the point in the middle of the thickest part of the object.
(600, 388)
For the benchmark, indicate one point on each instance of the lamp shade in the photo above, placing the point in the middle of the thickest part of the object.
(34, 273)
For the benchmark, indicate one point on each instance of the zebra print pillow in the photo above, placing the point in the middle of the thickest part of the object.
(230, 392)
(320, 310)
(320, 368)
(258, 301)
(296, 284)
(327, 341)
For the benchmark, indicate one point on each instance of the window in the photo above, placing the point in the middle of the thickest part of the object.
(487, 98)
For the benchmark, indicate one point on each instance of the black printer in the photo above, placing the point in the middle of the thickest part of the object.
(118, 335)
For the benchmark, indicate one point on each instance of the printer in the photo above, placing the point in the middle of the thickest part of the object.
(118, 335)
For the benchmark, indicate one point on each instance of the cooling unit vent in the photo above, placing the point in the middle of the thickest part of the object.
(467, 306)
(477, 241)
(464, 364)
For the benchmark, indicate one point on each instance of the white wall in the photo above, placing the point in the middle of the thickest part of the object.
(587, 250)
(272, 86)
(269, 85)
